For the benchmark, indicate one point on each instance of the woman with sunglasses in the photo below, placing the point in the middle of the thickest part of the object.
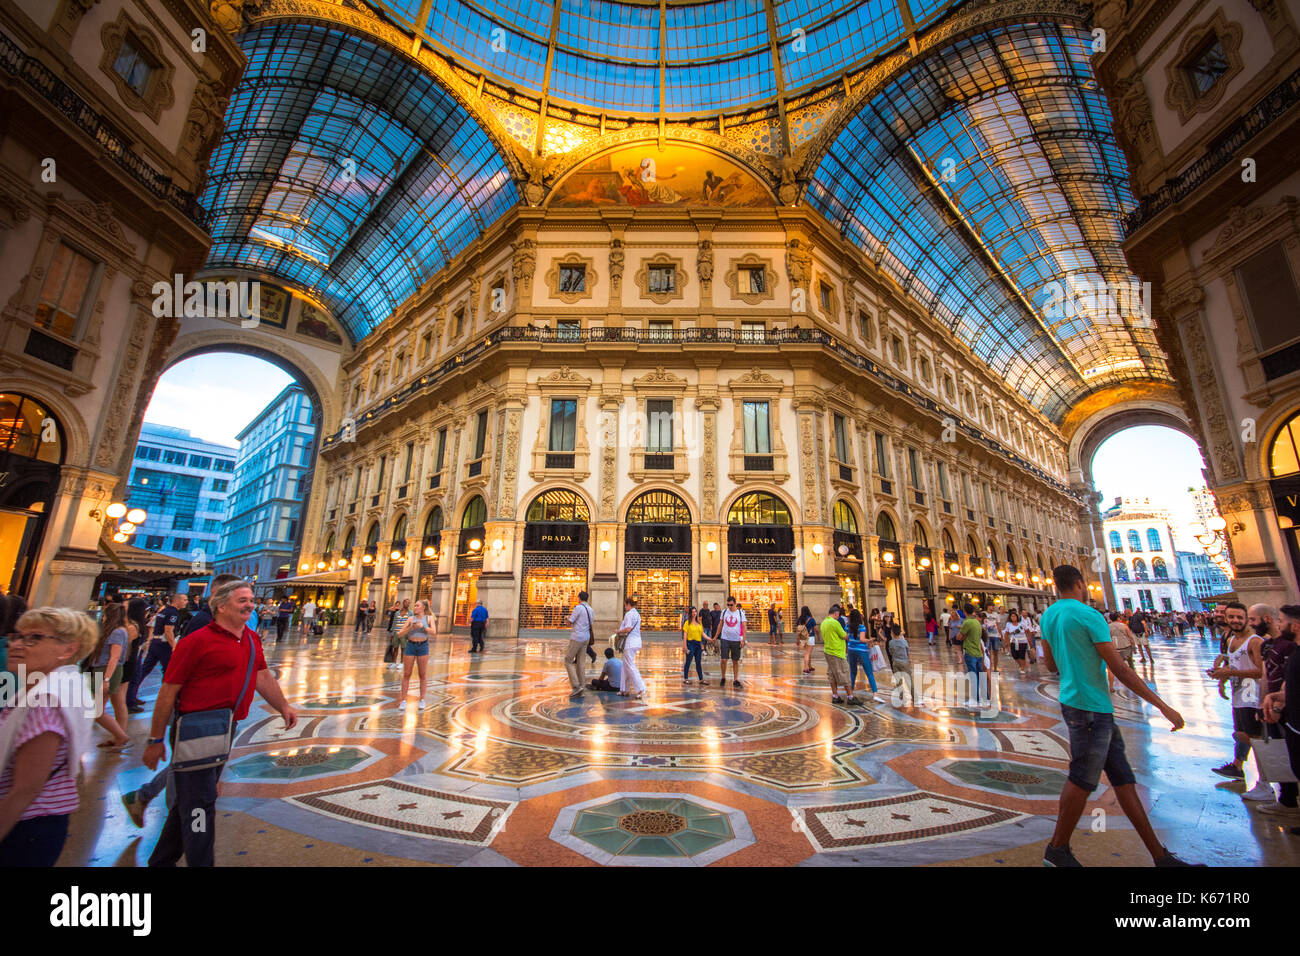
(42, 736)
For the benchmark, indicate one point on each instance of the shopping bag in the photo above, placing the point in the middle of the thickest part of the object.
(1041, 653)
(878, 662)
(1273, 760)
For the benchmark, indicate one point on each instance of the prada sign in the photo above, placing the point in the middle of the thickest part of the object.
(760, 539)
(555, 536)
(658, 538)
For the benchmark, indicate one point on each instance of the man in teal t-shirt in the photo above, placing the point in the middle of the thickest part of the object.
(1078, 647)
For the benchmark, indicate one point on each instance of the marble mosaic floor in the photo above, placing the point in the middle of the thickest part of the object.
(502, 769)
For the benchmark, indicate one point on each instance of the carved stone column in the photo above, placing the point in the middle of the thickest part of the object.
(69, 552)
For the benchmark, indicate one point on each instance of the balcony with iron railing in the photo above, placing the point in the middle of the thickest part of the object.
(511, 337)
(84, 117)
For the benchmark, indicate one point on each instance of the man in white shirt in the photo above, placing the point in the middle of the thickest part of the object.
(308, 616)
(575, 655)
(731, 638)
(631, 629)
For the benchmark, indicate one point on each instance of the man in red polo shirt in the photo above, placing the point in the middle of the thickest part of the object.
(207, 671)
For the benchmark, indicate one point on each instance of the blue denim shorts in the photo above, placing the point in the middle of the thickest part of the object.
(1095, 745)
(416, 648)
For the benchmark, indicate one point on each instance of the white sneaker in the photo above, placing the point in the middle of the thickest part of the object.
(1276, 809)
(877, 698)
(1261, 791)
(421, 704)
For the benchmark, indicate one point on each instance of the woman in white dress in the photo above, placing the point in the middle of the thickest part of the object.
(631, 629)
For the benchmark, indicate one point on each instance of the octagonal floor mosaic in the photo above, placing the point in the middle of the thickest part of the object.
(502, 768)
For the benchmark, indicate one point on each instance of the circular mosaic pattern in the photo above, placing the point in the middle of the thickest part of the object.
(493, 677)
(1011, 776)
(652, 827)
(1023, 780)
(338, 702)
(652, 822)
(297, 763)
(673, 718)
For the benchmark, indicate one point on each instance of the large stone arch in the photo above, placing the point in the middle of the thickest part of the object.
(76, 436)
(1093, 430)
(668, 486)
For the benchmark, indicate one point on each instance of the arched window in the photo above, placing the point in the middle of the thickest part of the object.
(372, 536)
(946, 537)
(475, 513)
(1284, 454)
(1134, 540)
(1121, 569)
(350, 542)
(399, 530)
(1011, 558)
(329, 543)
(1139, 570)
(1116, 545)
(433, 523)
(559, 504)
(1153, 540)
(759, 508)
(885, 527)
(919, 536)
(1159, 570)
(24, 430)
(843, 518)
(658, 507)
(972, 549)
(993, 551)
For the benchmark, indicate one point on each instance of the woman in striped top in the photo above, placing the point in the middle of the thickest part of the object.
(42, 736)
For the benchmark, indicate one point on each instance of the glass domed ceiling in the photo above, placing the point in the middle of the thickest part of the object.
(675, 57)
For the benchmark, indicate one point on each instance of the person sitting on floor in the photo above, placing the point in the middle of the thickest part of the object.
(611, 675)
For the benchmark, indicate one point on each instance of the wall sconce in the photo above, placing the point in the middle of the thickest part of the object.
(367, 559)
(925, 563)
(1020, 575)
(430, 551)
(843, 550)
(396, 555)
(321, 565)
(711, 547)
(115, 510)
(954, 567)
(980, 572)
(887, 557)
(475, 544)
(304, 568)
(604, 547)
(1035, 579)
(343, 562)
(498, 544)
(817, 549)
(136, 516)
(1001, 573)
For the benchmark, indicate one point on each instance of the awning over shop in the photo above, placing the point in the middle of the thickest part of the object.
(959, 582)
(319, 579)
(120, 561)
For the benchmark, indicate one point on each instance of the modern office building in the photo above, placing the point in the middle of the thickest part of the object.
(183, 483)
(1203, 505)
(271, 480)
(1143, 562)
(1202, 577)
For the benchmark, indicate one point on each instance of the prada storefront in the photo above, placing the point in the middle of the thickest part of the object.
(556, 542)
(760, 558)
(657, 559)
(469, 560)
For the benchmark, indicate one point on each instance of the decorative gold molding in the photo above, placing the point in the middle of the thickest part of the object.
(589, 281)
(158, 94)
(680, 279)
(750, 261)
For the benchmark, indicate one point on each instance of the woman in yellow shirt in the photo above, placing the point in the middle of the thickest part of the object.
(693, 644)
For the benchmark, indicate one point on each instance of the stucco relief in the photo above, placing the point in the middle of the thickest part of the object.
(510, 465)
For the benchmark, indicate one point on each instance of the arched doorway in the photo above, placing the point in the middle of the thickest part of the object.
(469, 559)
(31, 456)
(760, 557)
(430, 546)
(657, 558)
(888, 550)
(396, 559)
(849, 566)
(370, 566)
(555, 560)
